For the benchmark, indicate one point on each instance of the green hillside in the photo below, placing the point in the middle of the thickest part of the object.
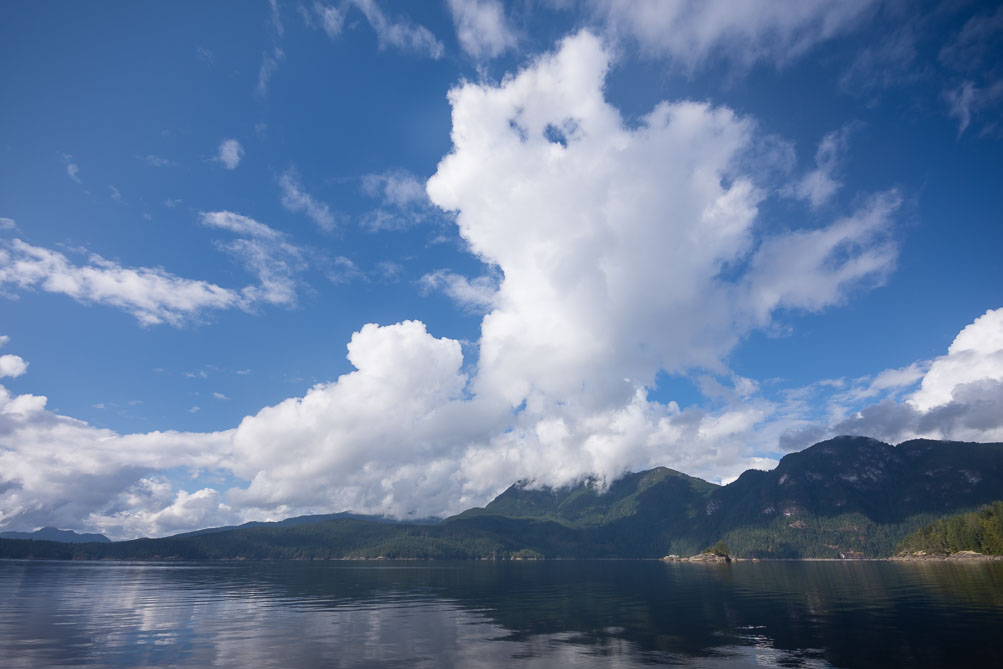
(979, 531)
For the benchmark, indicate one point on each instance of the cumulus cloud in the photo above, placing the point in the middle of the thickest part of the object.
(152, 507)
(960, 395)
(57, 470)
(295, 199)
(230, 153)
(692, 32)
(975, 355)
(611, 241)
(482, 28)
(12, 365)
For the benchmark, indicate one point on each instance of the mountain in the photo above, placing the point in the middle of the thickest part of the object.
(52, 534)
(852, 496)
(845, 497)
(306, 520)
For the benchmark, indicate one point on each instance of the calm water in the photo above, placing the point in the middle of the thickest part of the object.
(476, 614)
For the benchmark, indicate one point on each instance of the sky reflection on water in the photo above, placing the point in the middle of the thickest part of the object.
(620, 614)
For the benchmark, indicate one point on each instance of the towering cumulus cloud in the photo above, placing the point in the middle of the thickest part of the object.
(614, 242)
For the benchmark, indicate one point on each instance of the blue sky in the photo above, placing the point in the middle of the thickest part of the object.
(562, 238)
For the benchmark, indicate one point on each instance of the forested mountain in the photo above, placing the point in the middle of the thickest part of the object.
(979, 531)
(53, 534)
(845, 497)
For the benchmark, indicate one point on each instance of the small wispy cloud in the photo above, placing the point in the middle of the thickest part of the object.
(403, 200)
(269, 65)
(156, 161)
(205, 55)
(476, 295)
(482, 28)
(230, 153)
(390, 31)
(296, 199)
(72, 169)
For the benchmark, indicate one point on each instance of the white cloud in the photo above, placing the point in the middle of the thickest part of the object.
(403, 200)
(482, 28)
(974, 54)
(72, 169)
(611, 241)
(390, 32)
(156, 161)
(152, 507)
(975, 355)
(692, 32)
(230, 153)
(115, 193)
(295, 199)
(276, 18)
(7, 224)
(12, 365)
(220, 396)
(820, 184)
(968, 99)
(57, 470)
(269, 66)
(332, 19)
(264, 252)
(152, 295)
(396, 187)
(242, 225)
(476, 295)
(4, 339)
(960, 396)
(343, 270)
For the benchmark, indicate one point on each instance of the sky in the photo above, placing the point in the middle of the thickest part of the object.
(266, 259)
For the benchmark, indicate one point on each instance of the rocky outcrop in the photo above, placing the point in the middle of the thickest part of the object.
(701, 557)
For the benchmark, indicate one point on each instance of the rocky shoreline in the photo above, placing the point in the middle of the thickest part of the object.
(919, 556)
(960, 556)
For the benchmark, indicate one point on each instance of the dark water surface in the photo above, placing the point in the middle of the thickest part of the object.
(484, 614)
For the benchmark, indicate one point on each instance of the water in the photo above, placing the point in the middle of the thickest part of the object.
(483, 614)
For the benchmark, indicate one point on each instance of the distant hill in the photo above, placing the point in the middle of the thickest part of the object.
(305, 520)
(61, 536)
(845, 497)
(979, 531)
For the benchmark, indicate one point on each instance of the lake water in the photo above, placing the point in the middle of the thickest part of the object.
(486, 614)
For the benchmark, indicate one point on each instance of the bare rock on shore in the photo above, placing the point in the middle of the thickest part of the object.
(702, 557)
(960, 556)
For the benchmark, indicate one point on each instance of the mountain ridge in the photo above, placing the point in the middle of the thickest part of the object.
(843, 497)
